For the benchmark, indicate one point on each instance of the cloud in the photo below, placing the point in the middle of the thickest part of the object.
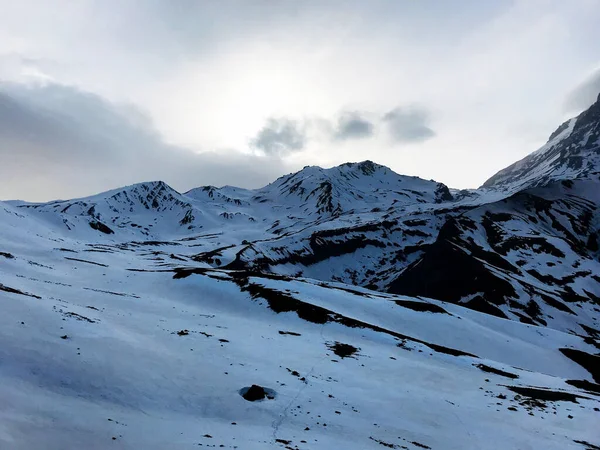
(584, 94)
(218, 69)
(408, 124)
(60, 142)
(352, 125)
(280, 137)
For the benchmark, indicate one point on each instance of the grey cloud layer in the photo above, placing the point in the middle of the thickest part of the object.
(56, 141)
(205, 70)
(408, 124)
(352, 125)
(280, 137)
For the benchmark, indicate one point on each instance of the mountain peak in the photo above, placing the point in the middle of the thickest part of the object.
(367, 167)
(572, 152)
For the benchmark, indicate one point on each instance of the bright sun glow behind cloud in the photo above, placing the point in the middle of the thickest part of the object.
(472, 86)
(227, 100)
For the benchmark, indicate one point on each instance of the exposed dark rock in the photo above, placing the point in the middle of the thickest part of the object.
(85, 261)
(545, 394)
(255, 393)
(587, 445)
(383, 443)
(281, 302)
(589, 362)
(17, 291)
(442, 194)
(559, 130)
(585, 385)
(478, 303)
(291, 333)
(78, 317)
(343, 350)
(421, 306)
(446, 272)
(99, 226)
(502, 373)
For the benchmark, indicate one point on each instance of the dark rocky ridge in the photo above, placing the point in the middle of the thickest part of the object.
(510, 257)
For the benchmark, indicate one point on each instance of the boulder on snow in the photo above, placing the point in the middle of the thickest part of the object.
(255, 393)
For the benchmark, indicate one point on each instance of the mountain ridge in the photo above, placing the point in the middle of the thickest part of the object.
(363, 224)
(572, 151)
(360, 307)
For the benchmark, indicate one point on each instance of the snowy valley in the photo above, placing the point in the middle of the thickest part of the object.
(377, 310)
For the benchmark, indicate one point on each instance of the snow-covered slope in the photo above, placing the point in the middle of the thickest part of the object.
(154, 209)
(363, 224)
(123, 346)
(141, 210)
(351, 187)
(532, 257)
(350, 213)
(378, 310)
(573, 151)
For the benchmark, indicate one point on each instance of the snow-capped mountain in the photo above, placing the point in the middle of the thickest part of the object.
(370, 309)
(155, 209)
(530, 252)
(572, 151)
(134, 210)
(532, 257)
(351, 187)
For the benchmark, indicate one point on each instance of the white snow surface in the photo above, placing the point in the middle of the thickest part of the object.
(134, 318)
(90, 356)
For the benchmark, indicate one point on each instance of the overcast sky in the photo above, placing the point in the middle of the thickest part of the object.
(98, 94)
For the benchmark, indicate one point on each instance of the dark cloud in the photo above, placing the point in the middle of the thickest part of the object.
(62, 124)
(583, 95)
(280, 136)
(408, 124)
(352, 125)
(59, 142)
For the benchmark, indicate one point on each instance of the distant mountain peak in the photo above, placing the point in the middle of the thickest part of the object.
(152, 195)
(367, 167)
(572, 152)
(564, 126)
